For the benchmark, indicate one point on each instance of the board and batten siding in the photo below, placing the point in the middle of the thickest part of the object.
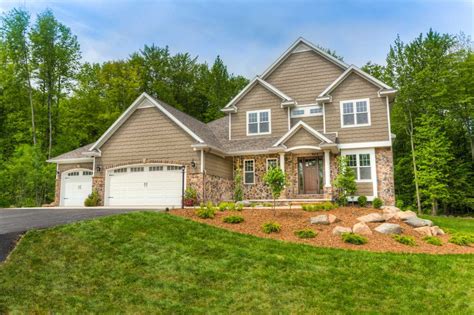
(365, 189)
(315, 122)
(217, 166)
(300, 138)
(257, 99)
(355, 87)
(304, 75)
(148, 134)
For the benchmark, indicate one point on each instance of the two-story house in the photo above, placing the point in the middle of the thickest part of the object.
(301, 113)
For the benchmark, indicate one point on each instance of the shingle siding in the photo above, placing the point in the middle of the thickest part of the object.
(217, 166)
(365, 189)
(302, 137)
(315, 122)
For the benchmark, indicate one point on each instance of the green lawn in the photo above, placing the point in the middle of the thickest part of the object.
(456, 224)
(151, 262)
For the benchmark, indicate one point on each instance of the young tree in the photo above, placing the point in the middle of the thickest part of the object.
(275, 179)
(238, 188)
(345, 180)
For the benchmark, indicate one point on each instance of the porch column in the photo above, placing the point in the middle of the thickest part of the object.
(282, 161)
(327, 169)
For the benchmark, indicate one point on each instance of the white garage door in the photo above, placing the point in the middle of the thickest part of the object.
(140, 185)
(76, 186)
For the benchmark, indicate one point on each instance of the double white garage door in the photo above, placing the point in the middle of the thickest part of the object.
(138, 185)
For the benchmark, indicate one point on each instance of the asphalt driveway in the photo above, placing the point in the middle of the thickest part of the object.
(14, 222)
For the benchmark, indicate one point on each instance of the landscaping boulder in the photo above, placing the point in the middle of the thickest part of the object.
(417, 222)
(320, 219)
(435, 231)
(338, 230)
(332, 218)
(404, 215)
(244, 203)
(361, 228)
(372, 217)
(389, 228)
(424, 230)
(389, 212)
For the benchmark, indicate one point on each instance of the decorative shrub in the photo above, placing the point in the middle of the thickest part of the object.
(462, 239)
(226, 206)
(238, 206)
(233, 219)
(238, 186)
(399, 204)
(433, 240)
(377, 203)
(345, 181)
(306, 233)
(362, 201)
(326, 206)
(353, 238)
(207, 211)
(93, 200)
(406, 240)
(190, 196)
(271, 227)
(342, 201)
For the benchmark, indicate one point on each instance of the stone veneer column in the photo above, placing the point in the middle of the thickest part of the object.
(385, 181)
(98, 184)
(57, 192)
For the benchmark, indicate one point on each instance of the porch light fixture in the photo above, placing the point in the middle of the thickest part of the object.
(98, 168)
(193, 164)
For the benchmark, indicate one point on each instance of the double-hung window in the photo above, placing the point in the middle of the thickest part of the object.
(271, 163)
(361, 164)
(355, 113)
(249, 171)
(258, 122)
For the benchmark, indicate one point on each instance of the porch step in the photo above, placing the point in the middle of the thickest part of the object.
(310, 196)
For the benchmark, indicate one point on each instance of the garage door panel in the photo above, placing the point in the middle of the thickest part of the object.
(76, 188)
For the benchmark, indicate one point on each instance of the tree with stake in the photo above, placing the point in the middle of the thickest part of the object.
(275, 179)
(345, 181)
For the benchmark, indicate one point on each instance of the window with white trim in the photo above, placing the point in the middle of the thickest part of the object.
(173, 168)
(120, 170)
(360, 163)
(87, 173)
(258, 122)
(272, 162)
(73, 174)
(306, 111)
(137, 169)
(355, 113)
(249, 171)
(155, 168)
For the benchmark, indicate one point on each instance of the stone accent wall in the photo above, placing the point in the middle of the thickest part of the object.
(258, 190)
(212, 188)
(385, 181)
(98, 183)
(57, 192)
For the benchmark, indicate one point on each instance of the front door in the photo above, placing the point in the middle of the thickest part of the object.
(310, 175)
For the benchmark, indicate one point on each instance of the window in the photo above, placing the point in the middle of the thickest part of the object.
(305, 111)
(87, 173)
(137, 169)
(258, 122)
(155, 168)
(272, 163)
(121, 170)
(361, 165)
(73, 174)
(173, 168)
(355, 113)
(249, 172)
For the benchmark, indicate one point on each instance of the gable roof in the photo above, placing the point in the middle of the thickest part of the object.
(345, 75)
(76, 155)
(298, 126)
(257, 80)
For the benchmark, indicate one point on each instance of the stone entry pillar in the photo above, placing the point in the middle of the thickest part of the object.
(98, 184)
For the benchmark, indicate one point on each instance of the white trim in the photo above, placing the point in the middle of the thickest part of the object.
(282, 162)
(125, 115)
(303, 147)
(71, 161)
(388, 119)
(316, 49)
(327, 169)
(93, 167)
(324, 117)
(306, 110)
(253, 171)
(202, 161)
(301, 124)
(266, 164)
(354, 107)
(289, 118)
(269, 111)
(230, 125)
(362, 145)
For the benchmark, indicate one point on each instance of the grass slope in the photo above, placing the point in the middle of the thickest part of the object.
(464, 225)
(151, 262)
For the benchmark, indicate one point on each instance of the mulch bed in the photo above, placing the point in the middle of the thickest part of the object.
(296, 219)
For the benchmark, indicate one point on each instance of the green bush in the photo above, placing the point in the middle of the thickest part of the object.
(271, 227)
(207, 211)
(325, 206)
(93, 200)
(353, 238)
(406, 240)
(377, 203)
(238, 186)
(362, 201)
(226, 206)
(433, 240)
(306, 233)
(342, 201)
(238, 206)
(399, 204)
(462, 239)
(233, 219)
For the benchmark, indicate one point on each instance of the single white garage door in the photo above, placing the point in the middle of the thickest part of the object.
(76, 185)
(144, 185)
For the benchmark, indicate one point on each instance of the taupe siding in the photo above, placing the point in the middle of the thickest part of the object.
(259, 98)
(302, 137)
(66, 167)
(315, 122)
(303, 76)
(355, 87)
(365, 189)
(148, 134)
(217, 166)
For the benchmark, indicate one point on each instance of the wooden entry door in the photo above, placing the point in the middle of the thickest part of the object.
(310, 175)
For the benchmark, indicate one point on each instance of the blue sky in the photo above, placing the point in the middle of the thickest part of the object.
(250, 35)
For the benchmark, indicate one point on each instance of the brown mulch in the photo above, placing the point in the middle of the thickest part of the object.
(296, 219)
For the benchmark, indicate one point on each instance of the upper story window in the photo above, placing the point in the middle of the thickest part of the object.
(355, 113)
(314, 110)
(258, 122)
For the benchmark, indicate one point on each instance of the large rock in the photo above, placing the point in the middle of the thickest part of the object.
(389, 212)
(338, 230)
(424, 230)
(405, 215)
(244, 203)
(332, 218)
(417, 222)
(389, 228)
(320, 219)
(361, 228)
(372, 217)
(435, 231)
